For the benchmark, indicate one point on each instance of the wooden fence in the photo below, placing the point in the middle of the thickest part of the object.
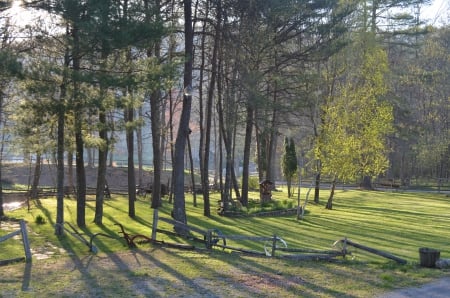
(26, 245)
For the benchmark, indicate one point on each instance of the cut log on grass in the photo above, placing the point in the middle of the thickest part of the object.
(312, 257)
(248, 251)
(174, 245)
(372, 250)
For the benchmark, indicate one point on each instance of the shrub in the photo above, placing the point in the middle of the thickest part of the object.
(253, 183)
(40, 220)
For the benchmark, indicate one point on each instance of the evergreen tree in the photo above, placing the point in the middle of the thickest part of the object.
(289, 162)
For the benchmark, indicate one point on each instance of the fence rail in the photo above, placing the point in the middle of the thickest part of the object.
(26, 244)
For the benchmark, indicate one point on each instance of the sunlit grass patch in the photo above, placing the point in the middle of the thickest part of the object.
(394, 222)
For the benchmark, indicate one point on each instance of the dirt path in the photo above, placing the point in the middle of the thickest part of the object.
(117, 177)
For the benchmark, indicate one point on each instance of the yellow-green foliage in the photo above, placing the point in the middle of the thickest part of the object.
(357, 122)
(253, 183)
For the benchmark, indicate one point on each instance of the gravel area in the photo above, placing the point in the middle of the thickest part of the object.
(436, 289)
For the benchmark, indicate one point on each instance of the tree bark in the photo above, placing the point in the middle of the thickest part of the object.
(79, 142)
(246, 161)
(129, 118)
(179, 209)
(209, 110)
(156, 113)
(36, 177)
(191, 163)
(101, 170)
(140, 149)
(2, 211)
(59, 228)
(367, 183)
(329, 205)
(317, 188)
(80, 171)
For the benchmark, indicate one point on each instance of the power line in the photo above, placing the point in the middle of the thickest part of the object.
(439, 11)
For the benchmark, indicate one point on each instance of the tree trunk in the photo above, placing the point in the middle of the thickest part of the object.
(78, 122)
(2, 147)
(191, 163)
(70, 170)
(179, 208)
(36, 177)
(155, 114)
(271, 155)
(209, 112)
(101, 170)
(2, 211)
(367, 183)
(226, 141)
(80, 171)
(129, 118)
(172, 149)
(272, 146)
(261, 152)
(59, 228)
(140, 149)
(246, 161)
(202, 153)
(289, 184)
(329, 205)
(235, 183)
(317, 188)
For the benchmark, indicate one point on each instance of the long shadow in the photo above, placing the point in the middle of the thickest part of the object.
(26, 277)
(124, 266)
(45, 211)
(313, 286)
(250, 266)
(79, 265)
(83, 266)
(178, 275)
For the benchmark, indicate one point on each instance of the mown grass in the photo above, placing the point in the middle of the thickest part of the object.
(394, 222)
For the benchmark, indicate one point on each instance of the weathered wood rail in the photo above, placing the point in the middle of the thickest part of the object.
(272, 245)
(345, 242)
(26, 244)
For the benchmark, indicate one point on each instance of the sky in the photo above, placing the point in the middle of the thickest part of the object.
(436, 14)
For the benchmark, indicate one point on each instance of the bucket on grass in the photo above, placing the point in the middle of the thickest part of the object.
(428, 257)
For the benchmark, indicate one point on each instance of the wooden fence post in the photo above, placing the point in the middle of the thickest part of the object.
(209, 239)
(155, 223)
(26, 244)
(274, 244)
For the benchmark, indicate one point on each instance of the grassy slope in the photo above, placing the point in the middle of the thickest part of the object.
(398, 223)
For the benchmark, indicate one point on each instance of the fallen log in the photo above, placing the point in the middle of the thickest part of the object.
(174, 245)
(372, 250)
(248, 251)
(307, 250)
(312, 257)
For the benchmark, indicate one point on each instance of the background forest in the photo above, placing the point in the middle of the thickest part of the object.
(361, 88)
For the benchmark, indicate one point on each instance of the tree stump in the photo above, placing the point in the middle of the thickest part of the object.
(265, 190)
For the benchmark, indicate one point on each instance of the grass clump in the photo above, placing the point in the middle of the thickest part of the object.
(40, 220)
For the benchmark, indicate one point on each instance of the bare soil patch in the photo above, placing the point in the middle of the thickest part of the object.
(117, 177)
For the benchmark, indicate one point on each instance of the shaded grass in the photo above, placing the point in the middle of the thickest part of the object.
(399, 223)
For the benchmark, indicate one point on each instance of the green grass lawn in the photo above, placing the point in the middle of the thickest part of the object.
(394, 222)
